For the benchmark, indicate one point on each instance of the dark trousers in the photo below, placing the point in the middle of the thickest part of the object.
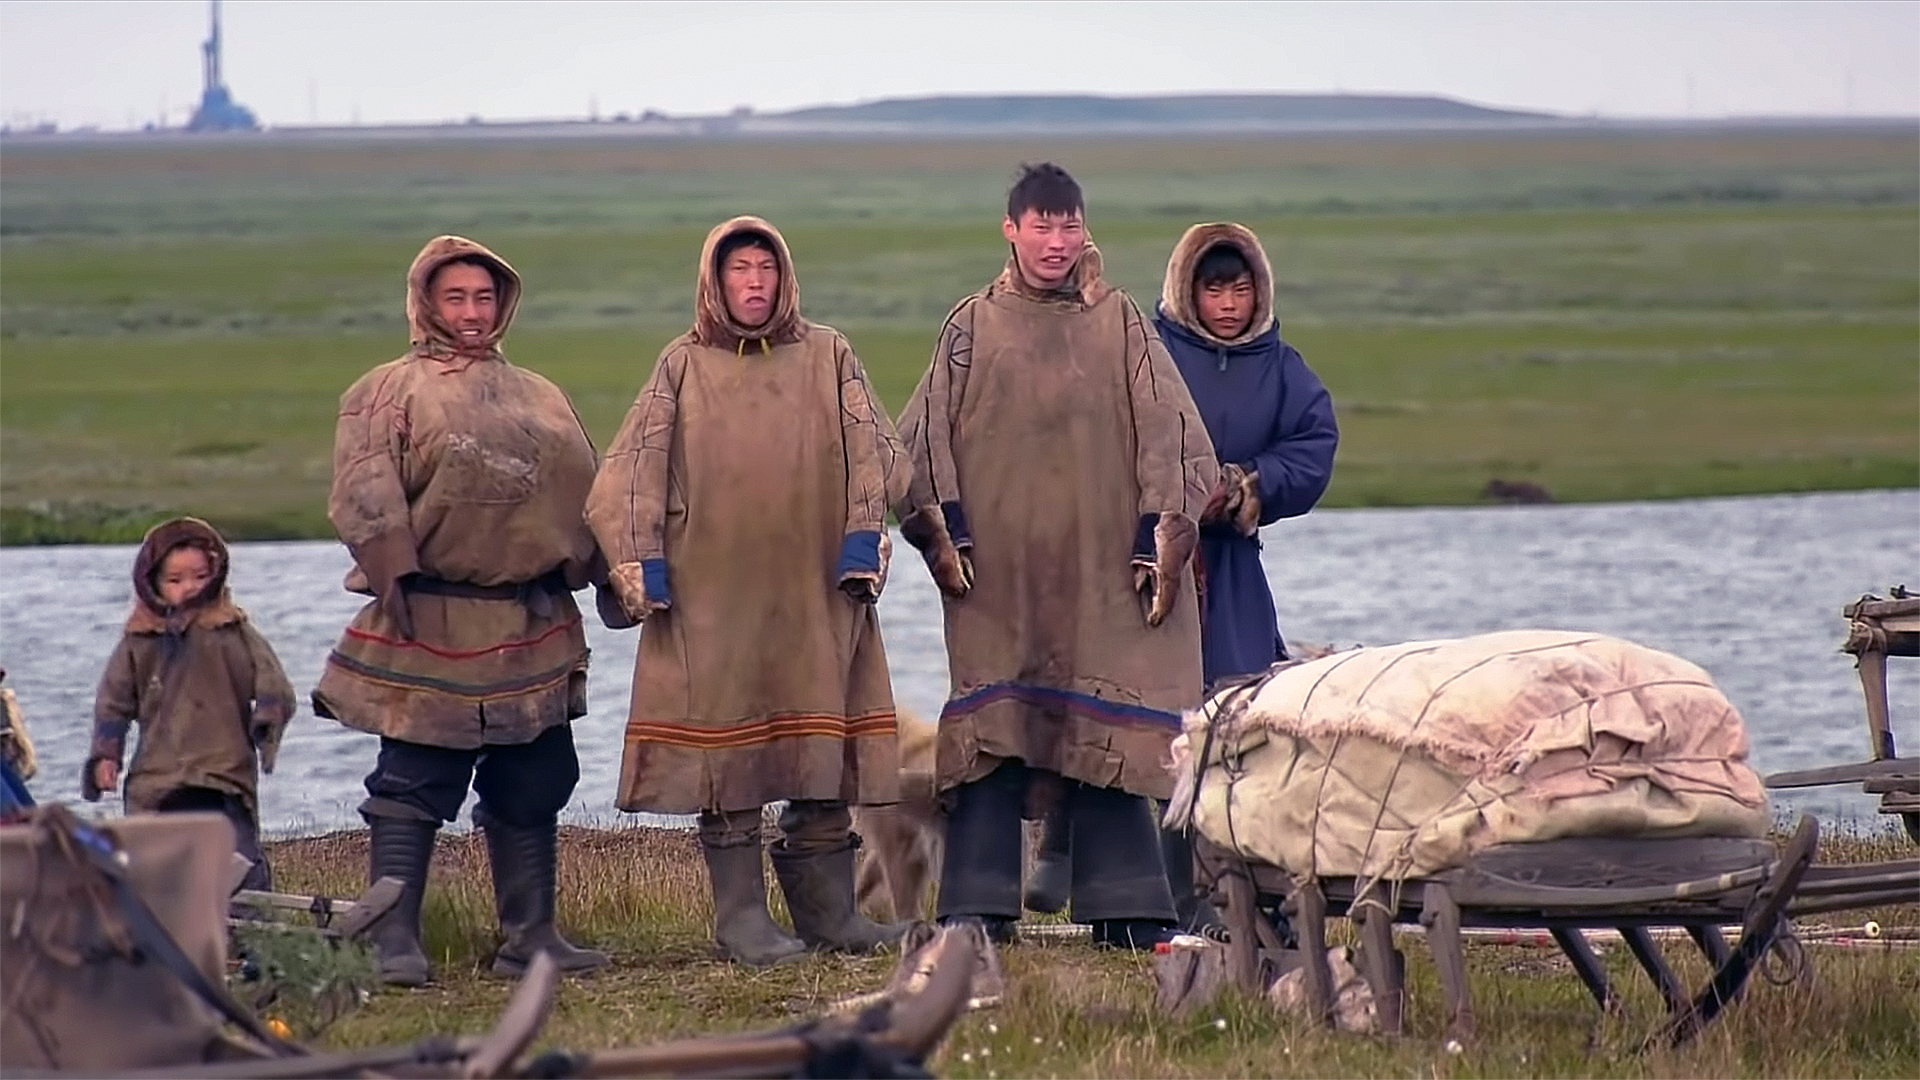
(1116, 868)
(523, 785)
(246, 830)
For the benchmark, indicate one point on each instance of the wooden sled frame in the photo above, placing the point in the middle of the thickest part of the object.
(1561, 886)
(1876, 629)
(906, 1022)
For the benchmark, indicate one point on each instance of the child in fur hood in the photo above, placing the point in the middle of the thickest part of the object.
(206, 689)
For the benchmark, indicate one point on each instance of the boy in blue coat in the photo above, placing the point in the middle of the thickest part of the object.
(1272, 425)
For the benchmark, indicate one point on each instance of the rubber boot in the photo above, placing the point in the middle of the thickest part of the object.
(819, 890)
(524, 864)
(400, 848)
(1052, 875)
(1138, 934)
(980, 869)
(741, 925)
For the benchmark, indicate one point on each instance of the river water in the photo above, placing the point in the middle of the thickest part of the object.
(1749, 588)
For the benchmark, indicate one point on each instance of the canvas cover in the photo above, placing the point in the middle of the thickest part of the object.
(1404, 760)
(71, 997)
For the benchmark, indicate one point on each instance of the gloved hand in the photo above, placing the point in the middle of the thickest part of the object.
(1157, 579)
(98, 776)
(950, 565)
(629, 582)
(392, 598)
(1243, 501)
(865, 586)
(1216, 508)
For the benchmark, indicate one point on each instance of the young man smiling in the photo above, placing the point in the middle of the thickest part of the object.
(1059, 472)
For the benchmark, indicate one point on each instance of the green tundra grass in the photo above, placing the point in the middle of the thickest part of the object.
(1074, 1010)
(1611, 315)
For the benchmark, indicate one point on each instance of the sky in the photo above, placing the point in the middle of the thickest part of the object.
(115, 64)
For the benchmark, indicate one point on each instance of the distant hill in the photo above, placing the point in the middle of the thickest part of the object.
(1172, 110)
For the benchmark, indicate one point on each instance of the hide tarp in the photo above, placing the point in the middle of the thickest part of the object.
(81, 991)
(1401, 761)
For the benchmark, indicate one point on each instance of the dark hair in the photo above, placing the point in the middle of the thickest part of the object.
(745, 238)
(1046, 189)
(481, 261)
(1222, 264)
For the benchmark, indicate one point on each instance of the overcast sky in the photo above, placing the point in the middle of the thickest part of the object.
(110, 63)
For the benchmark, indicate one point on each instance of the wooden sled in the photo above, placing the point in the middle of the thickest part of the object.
(1876, 629)
(894, 1032)
(338, 919)
(1561, 886)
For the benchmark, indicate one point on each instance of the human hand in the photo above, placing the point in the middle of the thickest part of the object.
(100, 775)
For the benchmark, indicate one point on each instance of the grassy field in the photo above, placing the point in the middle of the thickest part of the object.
(1611, 315)
(1073, 1010)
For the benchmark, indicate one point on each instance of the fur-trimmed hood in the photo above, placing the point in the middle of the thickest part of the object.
(425, 330)
(213, 607)
(1176, 292)
(713, 325)
(1086, 282)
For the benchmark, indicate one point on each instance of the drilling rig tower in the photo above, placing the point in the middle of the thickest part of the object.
(217, 111)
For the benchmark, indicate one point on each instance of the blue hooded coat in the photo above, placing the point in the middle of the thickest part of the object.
(1267, 412)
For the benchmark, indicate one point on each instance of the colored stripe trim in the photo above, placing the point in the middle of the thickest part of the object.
(1052, 697)
(472, 691)
(462, 654)
(801, 725)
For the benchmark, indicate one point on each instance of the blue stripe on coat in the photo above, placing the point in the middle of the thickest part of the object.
(1053, 697)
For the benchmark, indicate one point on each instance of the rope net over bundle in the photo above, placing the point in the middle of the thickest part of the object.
(1401, 761)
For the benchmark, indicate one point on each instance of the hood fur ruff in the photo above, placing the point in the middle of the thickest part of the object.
(427, 333)
(713, 325)
(1176, 292)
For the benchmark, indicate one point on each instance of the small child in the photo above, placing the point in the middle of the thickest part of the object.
(206, 689)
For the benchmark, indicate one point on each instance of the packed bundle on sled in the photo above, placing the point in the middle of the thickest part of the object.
(1401, 761)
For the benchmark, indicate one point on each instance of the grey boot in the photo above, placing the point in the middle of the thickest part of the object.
(1052, 873)
(819, 890)
(523, 862)
(400, 848)
(741, 925)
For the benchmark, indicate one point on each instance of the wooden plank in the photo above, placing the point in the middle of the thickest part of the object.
(1586, 965)
(1243, 957)
(1712, 943)
(519, 1022)
(1377, 960)
(1757, 933)
(1441, 916)
(1854, 773)
(1310, 924)
(1645, 950)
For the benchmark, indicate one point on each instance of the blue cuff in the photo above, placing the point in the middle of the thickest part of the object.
(111, 730)
(956, 520)
(653, 575)
(859, 554)
(1143, 546)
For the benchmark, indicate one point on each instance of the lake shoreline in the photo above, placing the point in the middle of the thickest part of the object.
(96, 523)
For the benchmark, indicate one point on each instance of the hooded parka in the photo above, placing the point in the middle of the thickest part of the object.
(751, 478)
(462, 477)
(1266, 412)
(206, 690)
(1049, 438)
